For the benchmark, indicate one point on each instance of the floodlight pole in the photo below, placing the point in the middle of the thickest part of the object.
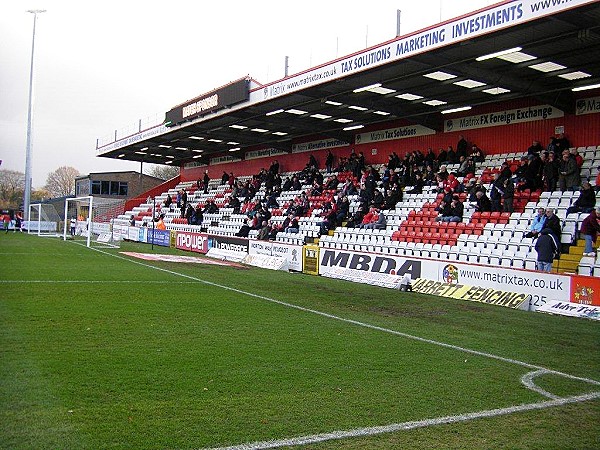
(27, 193)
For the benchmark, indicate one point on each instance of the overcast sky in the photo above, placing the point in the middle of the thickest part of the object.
(102, 66)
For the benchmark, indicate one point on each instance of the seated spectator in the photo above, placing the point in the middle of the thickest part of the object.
(537, 224)
(477, 154)
(535, 148)
(358, 216)
(244, 229)
(452, 214)
(483, 203)
(317, 189)
(467, 166)
(328, 214)
(374, 220)
(234, 203)
(586, 201)
(290, 224)
(265, 231)
(332, 183)
(473, 187)
(378, 199)
(589, 230)
(131, 221)
(168, 202)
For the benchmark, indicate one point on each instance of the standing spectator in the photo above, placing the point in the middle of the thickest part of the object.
(224, 178)
(550, 172)
(18, 221)
(461, 147)
(329, 161)
(73, 223)
(274, 168)
(553, 222)
(508, 196)
(183, 202)
(160, 225)
(496, 192)
(546, 248)
(568, 177)
(586, 201)
(589, 230)
(562, 143)
(205, 181)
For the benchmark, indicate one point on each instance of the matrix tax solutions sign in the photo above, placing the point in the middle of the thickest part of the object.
(502, 16)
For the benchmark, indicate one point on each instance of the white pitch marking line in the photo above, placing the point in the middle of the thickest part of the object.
(393, 427)
(528, 378)
(371, 431)
(356, 322)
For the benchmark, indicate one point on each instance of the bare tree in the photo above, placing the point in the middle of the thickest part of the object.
(12, 187)
(162, 172)
(61, 182)
(39, 195)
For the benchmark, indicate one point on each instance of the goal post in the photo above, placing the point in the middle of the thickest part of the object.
(44, 220)
(90, 219)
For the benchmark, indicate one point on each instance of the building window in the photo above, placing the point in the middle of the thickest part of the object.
(109, 188)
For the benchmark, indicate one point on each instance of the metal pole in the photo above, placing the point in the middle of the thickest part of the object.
(398, 13)
(153, 217)
(27, 193)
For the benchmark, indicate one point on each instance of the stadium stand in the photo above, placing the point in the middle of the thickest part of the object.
(487, 238)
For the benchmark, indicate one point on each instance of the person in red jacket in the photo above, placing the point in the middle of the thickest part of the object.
(589, 230)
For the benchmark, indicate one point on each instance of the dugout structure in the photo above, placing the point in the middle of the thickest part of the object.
(90, 219)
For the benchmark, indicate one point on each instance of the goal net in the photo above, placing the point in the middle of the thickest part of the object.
(44, 220)
(90, 220)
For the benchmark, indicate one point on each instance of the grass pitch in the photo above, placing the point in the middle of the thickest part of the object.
(98, 350)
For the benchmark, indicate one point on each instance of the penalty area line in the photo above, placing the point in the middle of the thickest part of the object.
(405, 426)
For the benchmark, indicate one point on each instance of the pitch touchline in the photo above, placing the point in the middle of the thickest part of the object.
(99, 281)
